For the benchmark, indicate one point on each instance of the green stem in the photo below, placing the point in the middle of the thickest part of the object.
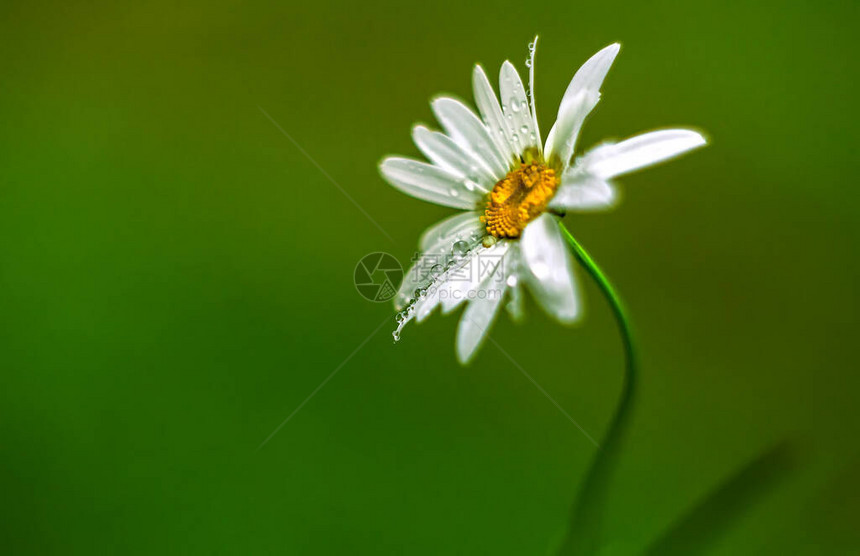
(583, 536)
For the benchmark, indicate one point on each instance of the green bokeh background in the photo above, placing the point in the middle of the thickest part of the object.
(177, 278)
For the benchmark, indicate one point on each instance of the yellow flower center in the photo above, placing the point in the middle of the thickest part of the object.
(518, 199)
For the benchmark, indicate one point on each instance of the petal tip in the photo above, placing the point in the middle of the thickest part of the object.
(610, 50)
(701, 139)
(569, 319)
(418, 131)
(604, 58)
(695, 138)
(465, 353)
(460, 359)
(385, 165)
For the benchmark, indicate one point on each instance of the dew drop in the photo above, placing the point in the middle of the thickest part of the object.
(408, 313)
(460, 249)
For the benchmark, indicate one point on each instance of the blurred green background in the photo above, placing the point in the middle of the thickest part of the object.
(177, 278)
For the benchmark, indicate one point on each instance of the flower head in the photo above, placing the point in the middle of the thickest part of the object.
(512, 186)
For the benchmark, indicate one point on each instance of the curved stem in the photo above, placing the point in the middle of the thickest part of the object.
(583, 536)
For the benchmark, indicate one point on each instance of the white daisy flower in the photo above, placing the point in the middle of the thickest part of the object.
(511, 186)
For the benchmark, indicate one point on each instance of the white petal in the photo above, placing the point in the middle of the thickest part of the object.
(427, 182)
(465, 282)
(445, 153)
(515, 105)
(468, 131)
(580, 190)
(479, 315)
(460, 281)
(589, 77)
(514, 306)
(426, 306)
(531, 65)
(611, 160)
(446, 232)
(436, 244)
(513, 270)
(550, 268)
(418, 276)
(579, 99)
(561, 141)
(491, 112)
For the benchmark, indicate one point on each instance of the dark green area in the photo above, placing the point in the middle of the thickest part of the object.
(176, 277)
